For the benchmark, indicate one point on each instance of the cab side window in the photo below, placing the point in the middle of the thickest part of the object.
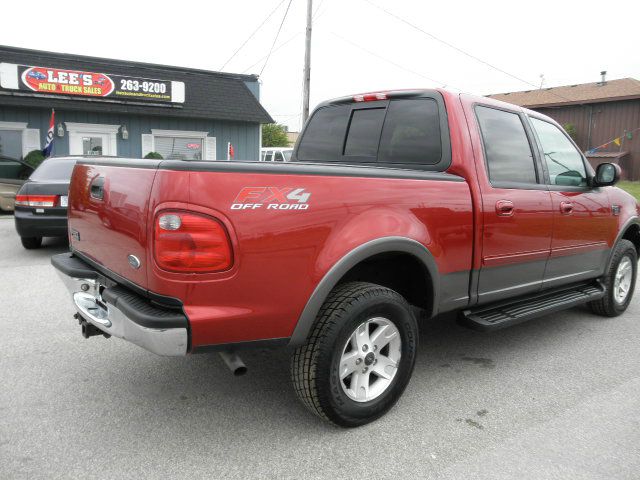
(506, 146)
(278, 157)
(563, 160)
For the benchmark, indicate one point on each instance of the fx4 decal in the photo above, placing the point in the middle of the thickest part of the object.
(271, 198)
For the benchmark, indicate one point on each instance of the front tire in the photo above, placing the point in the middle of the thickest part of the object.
(31, 243)
(619, 281)
(359, 356)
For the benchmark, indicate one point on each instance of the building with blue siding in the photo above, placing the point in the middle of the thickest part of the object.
(125, 109)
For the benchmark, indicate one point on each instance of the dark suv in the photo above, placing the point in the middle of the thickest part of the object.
(41, 203)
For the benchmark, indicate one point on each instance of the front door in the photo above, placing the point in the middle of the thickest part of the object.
(582, 215)
(516, 205)
(90, 139)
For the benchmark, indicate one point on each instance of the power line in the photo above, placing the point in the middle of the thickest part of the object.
(274, 51)
(315, 12)
(252, 34)
(402, 67)
(288, 117)
(444, 42)
(460, 50)
(297, 34)
(284, 17)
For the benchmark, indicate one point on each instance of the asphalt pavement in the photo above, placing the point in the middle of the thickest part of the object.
(553, 398)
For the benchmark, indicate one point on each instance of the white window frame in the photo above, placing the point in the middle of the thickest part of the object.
(77, 130)
(13, 125)
(28, 143)
(181, 134)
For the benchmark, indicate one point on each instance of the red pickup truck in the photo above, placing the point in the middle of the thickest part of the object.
(394, 204)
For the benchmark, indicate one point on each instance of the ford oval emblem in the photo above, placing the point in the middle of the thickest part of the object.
(134, 261)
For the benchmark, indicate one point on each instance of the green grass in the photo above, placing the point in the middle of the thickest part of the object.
(632, 187)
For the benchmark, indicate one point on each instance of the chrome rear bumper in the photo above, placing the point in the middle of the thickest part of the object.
(90, 304)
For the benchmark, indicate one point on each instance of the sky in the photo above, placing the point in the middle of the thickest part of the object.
(357, 45)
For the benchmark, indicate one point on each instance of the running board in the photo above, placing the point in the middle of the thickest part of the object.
(512, 312)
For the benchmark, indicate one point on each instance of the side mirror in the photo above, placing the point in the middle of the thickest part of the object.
(607, 174)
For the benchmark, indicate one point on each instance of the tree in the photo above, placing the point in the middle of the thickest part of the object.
(34, 158)
(570, 128)
(274, 135)
(153, 156)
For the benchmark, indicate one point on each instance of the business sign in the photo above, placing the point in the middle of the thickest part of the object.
(59, 81)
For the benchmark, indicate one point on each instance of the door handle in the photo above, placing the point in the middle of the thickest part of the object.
(97, 188)
(504, 208)
(566, 208)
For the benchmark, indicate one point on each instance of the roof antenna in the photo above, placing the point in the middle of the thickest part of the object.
(541, 81)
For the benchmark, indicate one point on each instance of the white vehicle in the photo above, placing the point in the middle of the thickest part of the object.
(275, 154)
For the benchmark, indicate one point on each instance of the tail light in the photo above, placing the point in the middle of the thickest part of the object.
(189, 242)
(38, 200)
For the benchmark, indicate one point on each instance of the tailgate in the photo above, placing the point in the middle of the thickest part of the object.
(108, 207)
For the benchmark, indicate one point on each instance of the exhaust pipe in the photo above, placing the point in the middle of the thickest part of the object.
(234, 362)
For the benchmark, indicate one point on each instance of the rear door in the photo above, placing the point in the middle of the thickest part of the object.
(582, 215)
(516, 205)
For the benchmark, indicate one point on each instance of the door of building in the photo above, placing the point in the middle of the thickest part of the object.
(92, 139)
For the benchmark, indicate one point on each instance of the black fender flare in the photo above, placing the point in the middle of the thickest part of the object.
(635, 220)
(351, 259)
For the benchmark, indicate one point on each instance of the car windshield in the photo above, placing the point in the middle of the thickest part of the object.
(54, 170)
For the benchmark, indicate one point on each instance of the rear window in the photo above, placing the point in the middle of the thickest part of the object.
(408, 133)
(411, 133)
(54, 170)
(323, 137)
(364, 133)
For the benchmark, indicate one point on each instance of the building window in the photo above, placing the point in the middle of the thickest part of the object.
(16, 140)
(180, 145)
(179, 148)
(11, 143)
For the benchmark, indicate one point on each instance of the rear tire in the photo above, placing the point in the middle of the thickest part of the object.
(368, 331)
(31, 243)
(619, 281)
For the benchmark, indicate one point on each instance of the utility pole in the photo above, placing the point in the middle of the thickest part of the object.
(307, 65)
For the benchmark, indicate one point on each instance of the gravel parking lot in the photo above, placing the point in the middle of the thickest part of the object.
(557, 397)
